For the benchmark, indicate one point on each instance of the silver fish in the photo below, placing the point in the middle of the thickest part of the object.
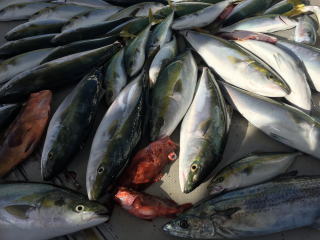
(160, 35)
(87, 3)
(135, 52)
(286, 124)
(6, 3)
(280, 205)
(71, 124)
(264, 24)
(235, 66)
(202, 17)
(115, 78)
(33, 28)
(62, 12)
(310, 57)
(23, 45)
(12, 66)
(22, 11)
(306, 31)
(203, 134)
(38, 211)
(251, 170)
(172, 95)
(89, 18)
(116, 137)
(167, 53)
(288, 67)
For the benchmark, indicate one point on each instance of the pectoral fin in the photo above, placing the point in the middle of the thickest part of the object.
(19, 211)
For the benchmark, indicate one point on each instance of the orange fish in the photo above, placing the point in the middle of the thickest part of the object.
(24, 133)
(146, 166)
(146, 206)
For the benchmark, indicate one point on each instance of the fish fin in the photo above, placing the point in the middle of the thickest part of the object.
(228, 212)
(205, 125)
(288, 174)
(150, 15)
(297, 10)
(19, 211)
(126, 34)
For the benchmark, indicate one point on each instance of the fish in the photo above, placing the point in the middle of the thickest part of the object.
(115, 139)
(276, 206)
(180, 9)
(24, 133)
(79, 46)
(90, 18)
(7, 3)
(27, 208)
(56, 73)
(287, 124)
(87, 3)
(126, 3)
(263, 24)
(193, 1)
(172, 95)
(34, 28)
(130, 28)
(7, 112)
(251, 170)
(146, 166)
(164, 56)
(229, 60)
(115, 77)
(201, 18)
(86, 32)
(283, 7)
(135, 52)
(71, 124)
(148, 207)
(310, 57)
(306, 30)
(22, 11)
(15, 65)
(246, 9)
(13, 48)
(137, 10)
(160, 35)
(203, 133)
(61, 12)
(288, 67)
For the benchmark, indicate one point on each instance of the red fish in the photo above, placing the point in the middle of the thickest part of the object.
(146, 206)
(146, 166)
(24, 133)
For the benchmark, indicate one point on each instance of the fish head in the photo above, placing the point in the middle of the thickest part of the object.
(165, 148)
(191, 226)
(194, 174)
(97, 180)
(53, 153)
(71, 210)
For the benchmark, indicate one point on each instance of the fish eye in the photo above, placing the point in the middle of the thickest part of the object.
(79, 208)
(270, 76)
(184, 224)
(172, 156)
(100, 170)
(220, 179)
(50, 155)
(194, 167)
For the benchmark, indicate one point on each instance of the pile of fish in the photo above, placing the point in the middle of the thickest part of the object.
(155, 65)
